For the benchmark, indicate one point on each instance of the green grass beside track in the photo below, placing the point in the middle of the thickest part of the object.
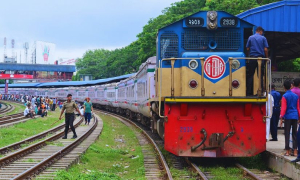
(21, 131)
(117, 154)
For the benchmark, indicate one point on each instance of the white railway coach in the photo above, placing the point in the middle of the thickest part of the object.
(131, 97)
(100, 95)
(122, 97)
(110, 93)
(145, 86)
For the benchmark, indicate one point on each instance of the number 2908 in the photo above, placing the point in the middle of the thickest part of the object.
(186, 129)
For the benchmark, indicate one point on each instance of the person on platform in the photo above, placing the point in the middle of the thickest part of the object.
(69, 106)
(88, 108)
(257, 46)
(269, 111)
(290, 112)
(28, 112)
(54, 104)
(295, 87)
(276, 113)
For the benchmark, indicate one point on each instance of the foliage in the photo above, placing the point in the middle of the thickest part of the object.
(103, 63)
(292, 65)
(21, 131)
(117, 154)
(2, 81)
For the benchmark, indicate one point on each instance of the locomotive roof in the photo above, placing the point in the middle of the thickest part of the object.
(205, 11)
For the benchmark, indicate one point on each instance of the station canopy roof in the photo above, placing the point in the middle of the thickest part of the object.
(281, 21)
(21, 85)
(69, 83)
(37, 67)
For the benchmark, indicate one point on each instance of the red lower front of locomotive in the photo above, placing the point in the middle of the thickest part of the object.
(215, 130)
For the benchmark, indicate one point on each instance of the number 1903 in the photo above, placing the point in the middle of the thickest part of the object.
(186, 129)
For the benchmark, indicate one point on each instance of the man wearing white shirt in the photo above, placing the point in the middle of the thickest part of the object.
(28, 112)
(269, 112)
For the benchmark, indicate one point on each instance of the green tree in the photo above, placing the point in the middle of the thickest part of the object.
(2, 81)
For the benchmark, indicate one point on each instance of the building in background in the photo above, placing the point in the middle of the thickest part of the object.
(43, 53)
(65, 61)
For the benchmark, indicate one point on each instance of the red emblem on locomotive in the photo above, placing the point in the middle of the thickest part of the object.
(214, 67)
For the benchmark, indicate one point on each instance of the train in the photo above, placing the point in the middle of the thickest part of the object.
(193, 92)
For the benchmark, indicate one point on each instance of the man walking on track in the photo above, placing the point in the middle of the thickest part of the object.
(88, 108)
(69, 106)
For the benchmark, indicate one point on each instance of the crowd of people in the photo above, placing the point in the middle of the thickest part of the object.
(35, 105)
(287, 109)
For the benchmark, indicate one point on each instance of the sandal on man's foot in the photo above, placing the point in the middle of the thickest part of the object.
(286, 154)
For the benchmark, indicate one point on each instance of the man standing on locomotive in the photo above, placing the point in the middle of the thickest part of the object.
(258, 47)
(69, 106)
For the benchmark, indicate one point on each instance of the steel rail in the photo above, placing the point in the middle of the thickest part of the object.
(10, 116)
(161, 157)
(195, 168)
(38, 168)
(6, 109)
(248, 172)
(17, 145)
(4, 161)
(13, 120)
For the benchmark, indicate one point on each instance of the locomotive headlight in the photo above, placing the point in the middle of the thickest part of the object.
(193, 64)
(235, 64)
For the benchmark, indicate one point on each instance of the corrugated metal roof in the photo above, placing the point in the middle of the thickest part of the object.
(282, 16)
(21, 85)
(84, 83)
(37, 67)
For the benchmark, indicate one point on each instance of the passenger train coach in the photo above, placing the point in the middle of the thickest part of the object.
(193, 93)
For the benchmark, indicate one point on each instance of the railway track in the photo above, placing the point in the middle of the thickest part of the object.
(12, 118)
(153, 169)
(247, 173)
(152, 173)
(6, 108)
(18, 145)
(34, 159)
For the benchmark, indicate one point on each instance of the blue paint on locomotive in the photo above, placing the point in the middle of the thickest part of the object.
(190, 38)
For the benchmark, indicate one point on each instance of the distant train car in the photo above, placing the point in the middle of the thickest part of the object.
(100, 95)
(110, 94)
(122, 97)
(131, 97)
(145, 89)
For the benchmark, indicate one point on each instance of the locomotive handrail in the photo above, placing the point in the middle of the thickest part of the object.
(268, 74)
(259, 60)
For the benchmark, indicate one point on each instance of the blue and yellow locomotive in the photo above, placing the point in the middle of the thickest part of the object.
(201, 108)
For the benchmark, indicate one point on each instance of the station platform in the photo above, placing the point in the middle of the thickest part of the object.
(277, 161)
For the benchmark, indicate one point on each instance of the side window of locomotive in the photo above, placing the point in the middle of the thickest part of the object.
(168, 45)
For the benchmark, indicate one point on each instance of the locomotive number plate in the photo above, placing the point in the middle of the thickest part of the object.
(194, 22)
(186, 129)
(229, 22)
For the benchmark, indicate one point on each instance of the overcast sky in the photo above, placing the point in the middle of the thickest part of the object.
(75, 25)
